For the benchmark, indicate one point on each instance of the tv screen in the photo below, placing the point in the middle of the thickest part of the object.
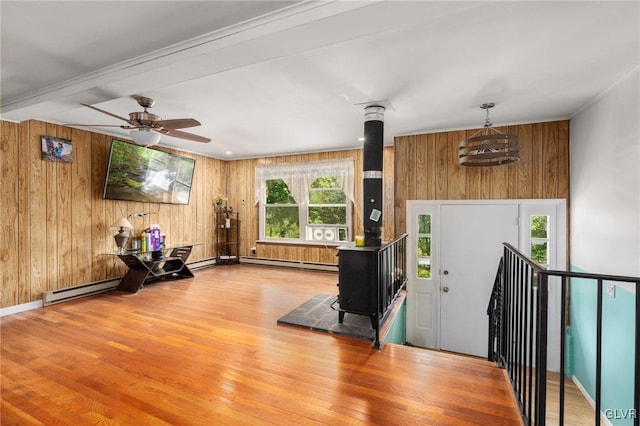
(136, 173)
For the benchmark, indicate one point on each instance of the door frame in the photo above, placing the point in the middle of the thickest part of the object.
(555, 208)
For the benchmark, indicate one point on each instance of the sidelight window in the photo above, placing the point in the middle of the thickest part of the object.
(539, 247)
(424, 246)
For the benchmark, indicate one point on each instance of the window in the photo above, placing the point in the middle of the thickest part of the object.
(327, 211)
(281, 211)
(539, 247)
(424, 246)
(305, 202)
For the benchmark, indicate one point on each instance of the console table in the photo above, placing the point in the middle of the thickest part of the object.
(143, 266)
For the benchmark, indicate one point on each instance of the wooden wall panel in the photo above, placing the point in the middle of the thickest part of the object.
(456, 176)
(525, 186)
(24, 212)
(60, 223)
(422, 166)
(403, 155)
(537, 164)
(512, 173)
(542, 172)
(563, 159)
(99, 159)
(441, 165)
(10, 225)
(474, 176)
(50, 174)
(64, 228)
(38, 191)
(550, 166)
(388, 214)
(81, 225)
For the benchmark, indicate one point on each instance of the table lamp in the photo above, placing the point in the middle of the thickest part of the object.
(122, 225)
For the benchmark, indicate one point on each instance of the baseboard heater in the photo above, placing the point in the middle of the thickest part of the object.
(76, 292)
(289, 263)
(199, 264)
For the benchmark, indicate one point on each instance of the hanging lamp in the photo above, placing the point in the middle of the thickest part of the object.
(488, 146)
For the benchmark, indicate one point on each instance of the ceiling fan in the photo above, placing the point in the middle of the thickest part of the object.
(146, 128)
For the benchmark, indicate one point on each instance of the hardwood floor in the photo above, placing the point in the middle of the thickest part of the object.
(208, 351)
(577, 411)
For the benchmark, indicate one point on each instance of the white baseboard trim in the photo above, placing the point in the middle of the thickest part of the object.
(20, 308)
(289, 263)
(591, 402)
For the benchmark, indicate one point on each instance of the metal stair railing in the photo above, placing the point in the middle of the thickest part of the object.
(518, 333)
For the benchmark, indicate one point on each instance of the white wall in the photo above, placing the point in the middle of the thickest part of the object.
(605, 181)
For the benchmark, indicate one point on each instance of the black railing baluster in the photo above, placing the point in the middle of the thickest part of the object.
(526, 399)
(598, 353)
(541, 363)
(563, 343)
(636, 374)
(532, 341)
(520, 330)
(503, 308)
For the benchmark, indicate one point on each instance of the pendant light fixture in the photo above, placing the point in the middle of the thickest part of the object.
(488, 146)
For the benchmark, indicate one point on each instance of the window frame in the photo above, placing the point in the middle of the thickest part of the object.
(312, 174)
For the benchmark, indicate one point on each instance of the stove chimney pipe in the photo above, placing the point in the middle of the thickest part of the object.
(372, 174)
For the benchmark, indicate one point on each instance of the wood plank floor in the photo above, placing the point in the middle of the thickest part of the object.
(208, 351)
(577, 411)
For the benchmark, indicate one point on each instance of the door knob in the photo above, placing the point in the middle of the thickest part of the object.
(445, 289)
(446, 272)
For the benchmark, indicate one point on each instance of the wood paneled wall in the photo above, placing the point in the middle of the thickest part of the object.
(240, 179)
(56, 226)
(427, 168)
(55, 223)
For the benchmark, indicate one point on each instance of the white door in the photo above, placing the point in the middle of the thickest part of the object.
(465, 239)
(471, 238)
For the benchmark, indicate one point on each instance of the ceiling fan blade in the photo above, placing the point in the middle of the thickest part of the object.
(185, 135)
(177, 123)
(94, 125)
(109, 113)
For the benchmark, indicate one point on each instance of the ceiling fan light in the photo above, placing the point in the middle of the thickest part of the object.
(144, 137)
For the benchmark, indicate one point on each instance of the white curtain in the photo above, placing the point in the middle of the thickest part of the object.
(300, 176)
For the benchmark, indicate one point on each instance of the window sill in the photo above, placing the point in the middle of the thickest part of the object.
(306, 243)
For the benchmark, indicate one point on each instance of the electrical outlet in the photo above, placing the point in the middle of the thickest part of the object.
(611, 289)
(253, 251)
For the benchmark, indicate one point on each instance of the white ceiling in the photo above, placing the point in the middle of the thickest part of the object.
(268, 78)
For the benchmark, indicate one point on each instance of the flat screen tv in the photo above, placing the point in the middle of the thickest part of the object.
(137, 173)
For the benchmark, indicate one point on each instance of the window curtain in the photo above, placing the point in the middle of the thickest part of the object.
(299, 178)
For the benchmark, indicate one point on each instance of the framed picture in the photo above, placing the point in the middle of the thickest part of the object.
(57, 149)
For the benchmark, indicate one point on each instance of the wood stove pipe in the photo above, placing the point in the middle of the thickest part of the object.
(372, 175)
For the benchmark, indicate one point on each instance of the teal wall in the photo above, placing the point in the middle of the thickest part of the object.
(618, 319)
(398, 331)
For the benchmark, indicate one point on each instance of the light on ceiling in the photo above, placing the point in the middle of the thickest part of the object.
(488, 146)
(144, 137)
